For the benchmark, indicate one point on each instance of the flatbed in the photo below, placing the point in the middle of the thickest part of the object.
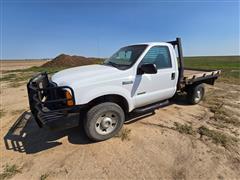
(193, 75)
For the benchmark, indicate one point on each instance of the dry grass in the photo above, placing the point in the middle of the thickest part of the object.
(18, 111)
(179, 174)
(184, 129)
(124, 134)
(8, 77)
(217, 105)
(44, 176)
(15, 84)
(16, 77)
(9, 171)
(218, 137)
(2, 113)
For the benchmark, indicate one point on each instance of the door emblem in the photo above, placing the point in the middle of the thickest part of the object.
(127, 82)
(141, 93)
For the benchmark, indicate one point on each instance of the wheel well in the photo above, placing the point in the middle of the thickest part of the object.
(120, 100)
(192, 86)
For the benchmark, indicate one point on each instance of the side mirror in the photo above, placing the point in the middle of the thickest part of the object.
(147, 68)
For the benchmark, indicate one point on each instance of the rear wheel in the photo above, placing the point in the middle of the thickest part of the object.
(195, 94)
(103, 121)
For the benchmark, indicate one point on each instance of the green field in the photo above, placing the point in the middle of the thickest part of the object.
(230, 66)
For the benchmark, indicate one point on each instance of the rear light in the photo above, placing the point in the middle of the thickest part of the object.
(69, 98)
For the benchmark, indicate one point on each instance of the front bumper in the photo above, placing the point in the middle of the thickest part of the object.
(49, 105)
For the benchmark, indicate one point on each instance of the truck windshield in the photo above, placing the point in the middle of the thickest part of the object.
(125, 57)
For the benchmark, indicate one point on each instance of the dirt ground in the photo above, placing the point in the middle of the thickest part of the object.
(175, 142)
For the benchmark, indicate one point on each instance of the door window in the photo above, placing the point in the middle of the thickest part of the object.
(158, 55)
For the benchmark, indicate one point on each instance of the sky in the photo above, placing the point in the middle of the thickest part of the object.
(47, 28)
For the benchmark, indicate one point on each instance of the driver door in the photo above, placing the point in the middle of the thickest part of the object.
(150, 88)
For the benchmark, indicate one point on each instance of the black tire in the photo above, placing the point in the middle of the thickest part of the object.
(101, 112)
(195, 94)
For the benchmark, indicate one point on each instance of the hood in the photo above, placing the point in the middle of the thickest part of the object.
(84, 74)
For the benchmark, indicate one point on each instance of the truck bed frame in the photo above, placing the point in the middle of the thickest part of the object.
(191, 76)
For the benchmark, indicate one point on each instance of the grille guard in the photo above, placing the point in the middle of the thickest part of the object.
(46, 99)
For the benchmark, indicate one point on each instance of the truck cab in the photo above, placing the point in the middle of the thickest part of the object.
(138, 78)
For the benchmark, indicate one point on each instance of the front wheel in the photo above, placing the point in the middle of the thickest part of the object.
(104, 121)
(195, 94)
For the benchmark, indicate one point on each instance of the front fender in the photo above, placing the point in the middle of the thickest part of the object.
(85, 95)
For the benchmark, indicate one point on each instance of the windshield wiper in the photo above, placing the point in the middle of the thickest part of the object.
(112, 64)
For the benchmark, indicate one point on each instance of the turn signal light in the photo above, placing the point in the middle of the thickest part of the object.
(69, 98)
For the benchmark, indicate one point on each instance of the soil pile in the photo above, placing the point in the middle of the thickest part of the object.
(64, 60)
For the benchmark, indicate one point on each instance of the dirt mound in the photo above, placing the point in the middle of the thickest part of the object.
(64, 60)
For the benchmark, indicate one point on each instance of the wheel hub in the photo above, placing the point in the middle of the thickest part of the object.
(106, 122)
(198, 95)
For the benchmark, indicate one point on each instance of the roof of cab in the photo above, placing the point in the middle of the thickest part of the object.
(152, 43)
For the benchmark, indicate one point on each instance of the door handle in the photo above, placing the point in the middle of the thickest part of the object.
(173, 76)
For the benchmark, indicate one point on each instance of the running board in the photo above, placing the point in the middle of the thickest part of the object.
(151, 107)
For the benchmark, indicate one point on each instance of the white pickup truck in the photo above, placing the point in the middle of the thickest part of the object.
(137, 78)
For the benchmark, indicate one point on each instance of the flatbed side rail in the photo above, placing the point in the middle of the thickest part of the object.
(205, 76)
